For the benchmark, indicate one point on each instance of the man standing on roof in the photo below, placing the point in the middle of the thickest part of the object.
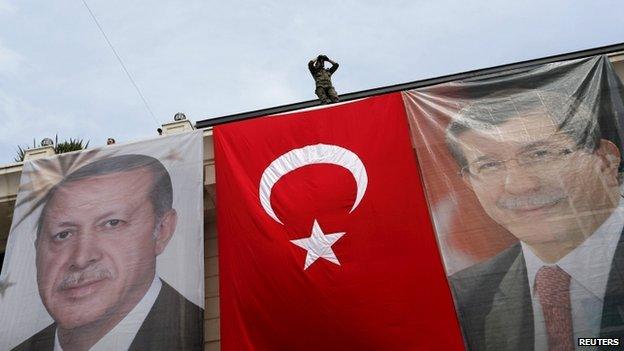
(322, 77)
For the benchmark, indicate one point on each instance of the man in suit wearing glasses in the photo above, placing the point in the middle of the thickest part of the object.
(539, 167)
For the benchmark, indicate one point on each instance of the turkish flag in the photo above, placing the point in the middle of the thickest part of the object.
(325, 241)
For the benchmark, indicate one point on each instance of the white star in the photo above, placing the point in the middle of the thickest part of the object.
(318, 245)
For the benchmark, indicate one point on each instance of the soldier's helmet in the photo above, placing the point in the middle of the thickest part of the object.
(318, 63)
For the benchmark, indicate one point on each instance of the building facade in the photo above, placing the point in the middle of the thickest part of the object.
(10, 178)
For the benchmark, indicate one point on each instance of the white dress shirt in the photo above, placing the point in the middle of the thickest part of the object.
(121, 336)
(588, 266)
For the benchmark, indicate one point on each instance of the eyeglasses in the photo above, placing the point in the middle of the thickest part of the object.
(543, 158)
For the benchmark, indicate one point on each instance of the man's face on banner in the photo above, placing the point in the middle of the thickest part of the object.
(96, 252)
(534, 179)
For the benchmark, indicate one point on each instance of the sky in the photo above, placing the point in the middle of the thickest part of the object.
(58, 76)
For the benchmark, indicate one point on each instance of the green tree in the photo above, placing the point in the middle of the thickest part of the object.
(59, 148)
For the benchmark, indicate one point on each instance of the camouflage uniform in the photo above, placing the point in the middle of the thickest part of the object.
(322, 77)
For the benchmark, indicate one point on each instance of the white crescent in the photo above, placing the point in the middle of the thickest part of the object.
(309, 155)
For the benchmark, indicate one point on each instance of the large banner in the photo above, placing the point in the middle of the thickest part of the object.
(522, 173)
(325, 241)
(105, 250)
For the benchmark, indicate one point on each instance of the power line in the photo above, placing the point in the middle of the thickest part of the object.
(121, 62)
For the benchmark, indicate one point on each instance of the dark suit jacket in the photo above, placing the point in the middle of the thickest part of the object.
(173, 323)
(494, 302)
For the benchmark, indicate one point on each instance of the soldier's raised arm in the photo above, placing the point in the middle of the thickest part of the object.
(334, 64)
(311, 65)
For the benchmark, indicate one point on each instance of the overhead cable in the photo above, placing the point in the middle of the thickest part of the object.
(123, 66)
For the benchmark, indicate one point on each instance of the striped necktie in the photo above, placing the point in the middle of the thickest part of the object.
(552, 285)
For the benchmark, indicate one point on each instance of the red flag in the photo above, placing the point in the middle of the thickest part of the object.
(325, 241)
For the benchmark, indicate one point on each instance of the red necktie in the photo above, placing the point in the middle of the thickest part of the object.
(552, 285)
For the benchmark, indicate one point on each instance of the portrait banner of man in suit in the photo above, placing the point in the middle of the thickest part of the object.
(105, 250)
(523, 175)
